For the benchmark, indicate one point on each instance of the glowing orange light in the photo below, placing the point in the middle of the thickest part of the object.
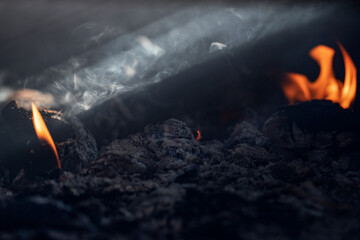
(298, 88)
(198, 137)
(42, 131)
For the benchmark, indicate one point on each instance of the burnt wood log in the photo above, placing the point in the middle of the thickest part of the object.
(21, 150)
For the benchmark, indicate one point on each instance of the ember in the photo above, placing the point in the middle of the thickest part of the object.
(42, 131)
(198, 137)
(298, 88)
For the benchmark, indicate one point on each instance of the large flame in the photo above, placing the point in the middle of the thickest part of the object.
(298, 88)
(42, 131)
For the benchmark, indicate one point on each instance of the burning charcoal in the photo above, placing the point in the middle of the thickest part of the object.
(167, 146)
(21, 148)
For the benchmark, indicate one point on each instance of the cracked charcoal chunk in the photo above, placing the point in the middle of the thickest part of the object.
(248, 146)
(161, 147)
(80, 150)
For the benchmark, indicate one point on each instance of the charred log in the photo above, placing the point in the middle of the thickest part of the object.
(21, 150)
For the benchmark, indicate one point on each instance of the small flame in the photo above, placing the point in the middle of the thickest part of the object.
(42, 131)
(298, 88)
(198, 137)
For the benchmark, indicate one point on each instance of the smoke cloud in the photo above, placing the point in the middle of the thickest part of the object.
(124, 61)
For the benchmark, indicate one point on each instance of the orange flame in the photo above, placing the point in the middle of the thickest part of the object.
(42, 131)
(298, 88)
(198, 137)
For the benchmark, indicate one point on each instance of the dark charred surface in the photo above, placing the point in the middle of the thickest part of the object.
(22, 152)
(284, 180)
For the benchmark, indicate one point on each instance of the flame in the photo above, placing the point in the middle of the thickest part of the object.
(198, 137)
(42, 131)
(298, 88)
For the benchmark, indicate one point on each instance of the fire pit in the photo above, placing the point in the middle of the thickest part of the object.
(175, 127)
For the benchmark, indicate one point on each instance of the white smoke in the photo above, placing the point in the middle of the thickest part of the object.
(161, 49)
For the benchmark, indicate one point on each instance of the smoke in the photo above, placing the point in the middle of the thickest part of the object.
(130, 60)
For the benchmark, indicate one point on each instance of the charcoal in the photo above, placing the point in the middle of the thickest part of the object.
(21, 149)
(288, 173)
(316, 125)
(245, 132)
(79, 150)
(169, 146)
(295, 170)
(162, 183)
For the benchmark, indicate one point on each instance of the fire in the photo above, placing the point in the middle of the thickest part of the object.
(42, 131)
(298, 88)
(198, 137)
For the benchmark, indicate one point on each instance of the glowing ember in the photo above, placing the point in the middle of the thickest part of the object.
(198, 137)
(298, 88)
(42, 131)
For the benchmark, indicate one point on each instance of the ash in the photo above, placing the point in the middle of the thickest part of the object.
(284, 180)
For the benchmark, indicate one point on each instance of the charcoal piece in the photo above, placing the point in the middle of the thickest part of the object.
(213, 151)
(161, 147)
(321, 115)
(247, 155)
(78, 151)
(21, 148)
(173, 143)
(245, 132)
(248, 146)
(314, 124)
(123, 156)
(295, 170)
